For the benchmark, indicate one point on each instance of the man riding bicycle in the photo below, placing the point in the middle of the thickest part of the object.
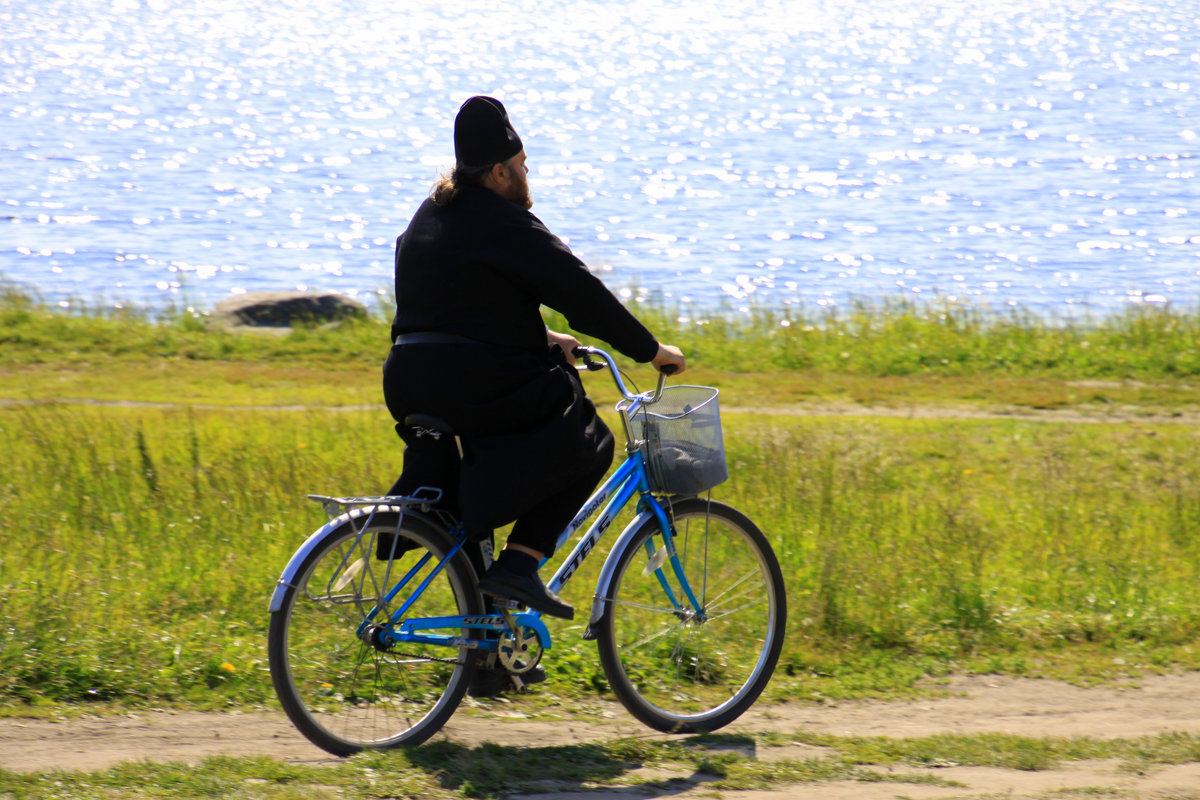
(473, 269)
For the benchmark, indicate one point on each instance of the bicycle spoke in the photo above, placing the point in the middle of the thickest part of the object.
(652, 637)
(750, 575)
(736, 610)
(646, 607)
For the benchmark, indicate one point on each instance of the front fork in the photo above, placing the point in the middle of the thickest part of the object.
(687, 609)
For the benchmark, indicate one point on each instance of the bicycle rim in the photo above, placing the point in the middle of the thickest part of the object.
(342, 691)
(686, 673)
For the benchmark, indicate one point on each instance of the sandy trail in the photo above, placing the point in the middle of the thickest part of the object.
(972, 705)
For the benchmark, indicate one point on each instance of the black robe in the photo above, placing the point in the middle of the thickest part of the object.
(481, 268)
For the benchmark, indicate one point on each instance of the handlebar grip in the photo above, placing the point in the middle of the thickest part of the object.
(585, 354)
(668, 369)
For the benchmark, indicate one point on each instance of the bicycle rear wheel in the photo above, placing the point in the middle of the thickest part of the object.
(682, 671)
(341, 685)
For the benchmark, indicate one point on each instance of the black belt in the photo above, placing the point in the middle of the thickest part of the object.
(429, 337)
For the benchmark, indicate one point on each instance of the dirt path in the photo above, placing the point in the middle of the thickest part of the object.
(1078, 414)
(980, 704)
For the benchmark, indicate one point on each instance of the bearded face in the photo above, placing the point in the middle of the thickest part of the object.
(517, 190)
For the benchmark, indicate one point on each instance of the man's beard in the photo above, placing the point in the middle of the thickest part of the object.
(519, 193)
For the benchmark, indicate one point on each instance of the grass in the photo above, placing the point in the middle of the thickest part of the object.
(897, 357)
(899, 338)
(138, 546)
(139, 542)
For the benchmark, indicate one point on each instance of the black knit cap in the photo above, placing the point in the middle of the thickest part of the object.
(483, 135)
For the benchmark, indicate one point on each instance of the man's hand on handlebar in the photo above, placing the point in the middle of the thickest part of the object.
(669, 360)
(566, 341)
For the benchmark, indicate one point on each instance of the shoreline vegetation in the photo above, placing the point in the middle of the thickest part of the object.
(139, 543)
(897, 354)
(897, 336)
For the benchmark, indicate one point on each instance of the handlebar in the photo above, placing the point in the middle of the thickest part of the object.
(588, 356)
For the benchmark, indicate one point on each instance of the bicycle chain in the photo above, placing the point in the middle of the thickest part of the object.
(423, 657)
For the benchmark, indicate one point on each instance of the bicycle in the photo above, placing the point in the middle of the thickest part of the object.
(377, 624)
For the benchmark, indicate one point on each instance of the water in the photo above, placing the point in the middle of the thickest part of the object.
(806, 152)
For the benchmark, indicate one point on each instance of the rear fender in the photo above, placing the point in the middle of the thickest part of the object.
(359, 517)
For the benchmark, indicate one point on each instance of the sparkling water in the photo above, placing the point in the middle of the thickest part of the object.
(708, 155)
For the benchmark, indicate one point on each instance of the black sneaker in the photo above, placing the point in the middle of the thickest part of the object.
(500, 581)
(497, 681)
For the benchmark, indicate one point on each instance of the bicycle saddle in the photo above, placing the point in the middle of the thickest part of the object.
(431, 425)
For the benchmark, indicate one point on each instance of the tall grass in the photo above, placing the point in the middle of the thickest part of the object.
(904, 337)
(955, 538)
(891, 338)
(139, 547)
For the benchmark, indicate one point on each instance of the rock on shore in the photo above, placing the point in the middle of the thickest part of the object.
(284, 309)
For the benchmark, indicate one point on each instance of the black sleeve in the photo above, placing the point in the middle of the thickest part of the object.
(540, 259)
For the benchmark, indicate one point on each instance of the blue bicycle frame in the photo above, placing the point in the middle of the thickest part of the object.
(629, 479)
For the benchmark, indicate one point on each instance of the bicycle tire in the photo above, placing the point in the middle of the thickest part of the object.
(339, 690)
(694, 675)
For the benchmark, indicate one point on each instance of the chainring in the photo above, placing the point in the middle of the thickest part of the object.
(519, 651)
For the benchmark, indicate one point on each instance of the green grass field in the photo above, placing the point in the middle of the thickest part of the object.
(140, 545)
(140, 542)
(155, 472)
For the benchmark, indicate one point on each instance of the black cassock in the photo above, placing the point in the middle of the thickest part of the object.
(480, 269)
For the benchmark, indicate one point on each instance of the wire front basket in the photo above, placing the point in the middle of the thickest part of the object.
(682, 442)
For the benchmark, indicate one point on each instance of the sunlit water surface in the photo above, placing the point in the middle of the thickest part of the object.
(812, 152)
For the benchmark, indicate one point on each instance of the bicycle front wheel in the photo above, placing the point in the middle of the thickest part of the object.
(685, 669)
(339, 680)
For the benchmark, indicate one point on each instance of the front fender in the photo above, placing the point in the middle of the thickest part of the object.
(603, 583)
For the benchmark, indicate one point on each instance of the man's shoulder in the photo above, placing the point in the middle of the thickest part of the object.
(488, 215)
(483, 199)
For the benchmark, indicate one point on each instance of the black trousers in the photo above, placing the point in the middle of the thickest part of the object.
(539, 529)
(535, 448)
